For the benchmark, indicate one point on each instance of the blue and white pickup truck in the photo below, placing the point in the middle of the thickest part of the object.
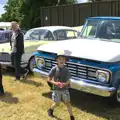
(94, 62)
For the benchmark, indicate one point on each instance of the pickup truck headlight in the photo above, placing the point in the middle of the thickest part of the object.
(40, 62)
(102, 76)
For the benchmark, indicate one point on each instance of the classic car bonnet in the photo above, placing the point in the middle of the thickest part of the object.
(5, 47)
(89, 49)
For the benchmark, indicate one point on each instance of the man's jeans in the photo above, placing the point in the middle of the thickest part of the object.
(16, 62)
(1, 86)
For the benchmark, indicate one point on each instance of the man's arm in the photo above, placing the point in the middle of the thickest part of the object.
(20, 43)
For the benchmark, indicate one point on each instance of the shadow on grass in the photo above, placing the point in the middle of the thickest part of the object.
(92, 104)
(10, 72)
(31, 82)
(57, 118)
(96, 105)
(8, 98)
(48, 95)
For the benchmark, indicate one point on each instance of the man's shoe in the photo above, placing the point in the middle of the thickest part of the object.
(50, 113)
(72, 118)
(25, 75)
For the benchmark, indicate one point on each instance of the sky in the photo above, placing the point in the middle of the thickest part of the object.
(3, 2)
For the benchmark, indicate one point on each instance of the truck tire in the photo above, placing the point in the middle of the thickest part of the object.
(114, 100)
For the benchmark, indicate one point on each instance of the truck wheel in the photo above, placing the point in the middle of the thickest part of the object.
(118, 95)
(115, 99)
(31, 64)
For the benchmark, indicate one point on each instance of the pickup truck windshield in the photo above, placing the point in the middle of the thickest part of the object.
(104, 29)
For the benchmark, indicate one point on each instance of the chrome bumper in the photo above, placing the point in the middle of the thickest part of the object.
(82, 85)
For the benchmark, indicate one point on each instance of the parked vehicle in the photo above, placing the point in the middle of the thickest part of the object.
(5, 36)
(51, 33)
(95, 60)
(33, 39)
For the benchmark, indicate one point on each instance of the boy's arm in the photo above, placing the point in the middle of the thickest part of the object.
(50, 80)
(67, 83)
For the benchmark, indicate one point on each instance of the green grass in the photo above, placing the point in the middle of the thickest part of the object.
(30, 99)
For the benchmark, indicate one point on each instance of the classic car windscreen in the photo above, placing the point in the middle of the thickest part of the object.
(105, 29)
(35, 34)
(65, 34)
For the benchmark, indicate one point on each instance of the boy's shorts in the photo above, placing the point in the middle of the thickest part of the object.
(63, 95)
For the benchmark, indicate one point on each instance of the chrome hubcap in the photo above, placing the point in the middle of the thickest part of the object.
(118, 94)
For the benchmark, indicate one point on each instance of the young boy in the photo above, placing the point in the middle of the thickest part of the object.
(59, 76)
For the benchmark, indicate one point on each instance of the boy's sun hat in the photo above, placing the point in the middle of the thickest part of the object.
(64, 53)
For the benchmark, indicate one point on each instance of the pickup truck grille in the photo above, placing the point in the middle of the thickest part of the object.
(5, 57)
(76, 70)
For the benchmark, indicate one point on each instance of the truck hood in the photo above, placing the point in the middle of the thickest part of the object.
(88, 49)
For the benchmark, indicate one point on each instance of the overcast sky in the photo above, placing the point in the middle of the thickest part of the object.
(3, 2)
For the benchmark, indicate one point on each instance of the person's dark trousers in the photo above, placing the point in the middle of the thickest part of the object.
(16, 62)
(1, 85)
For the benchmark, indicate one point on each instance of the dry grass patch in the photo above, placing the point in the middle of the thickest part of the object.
(30, 99)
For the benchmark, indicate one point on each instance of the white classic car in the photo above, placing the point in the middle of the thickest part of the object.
(94, 62)
(34, 38)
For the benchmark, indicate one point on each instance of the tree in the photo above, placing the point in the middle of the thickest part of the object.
(27, 12)
(97, 0)
(31, 10)
(12, 11)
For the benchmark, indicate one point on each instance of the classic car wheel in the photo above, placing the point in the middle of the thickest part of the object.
(31, 64)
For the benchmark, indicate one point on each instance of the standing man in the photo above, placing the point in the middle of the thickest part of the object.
(17, 46)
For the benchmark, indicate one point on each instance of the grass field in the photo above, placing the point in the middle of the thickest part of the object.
(30, 99)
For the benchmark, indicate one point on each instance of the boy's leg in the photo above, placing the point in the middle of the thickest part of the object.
(66, 99)
(55, 105)
(50, 110)
(69, 107)
(56, 97)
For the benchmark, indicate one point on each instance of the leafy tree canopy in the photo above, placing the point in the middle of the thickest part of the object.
(27, 12)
